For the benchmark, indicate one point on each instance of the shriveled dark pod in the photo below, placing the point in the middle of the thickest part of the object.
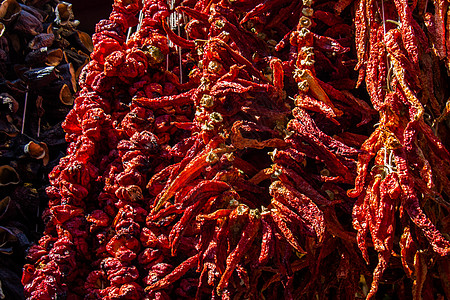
(54, 57)
(7, 101)
(36, 3)
(16, 41)
(77, 59)
(8, 239)
(63, 12)
(37, 151)
(40, 15)
(4, 44)
(67, 72)
(40, 77)
(15, 87)
(36, 57)
(34, 150)
(28, 24)
(60, 42)
(41, 40)
(86, 40)
(64, 15)
(76, 41)
(54, 136)
(62, 32)
(65, 95)
(8, 175)
(7, 209)
(27, 199)
(7, 128)
(9, 11)
(3, 61)
(43, 56)
(57, 92)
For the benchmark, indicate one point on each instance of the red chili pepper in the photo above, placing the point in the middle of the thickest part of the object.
(292, 10)
(235, 256)
(190, 171)
(177, 273)
(335, 164)
(373, 73)
(309, 103)
(240, 59)
(411, 204)
(155, 103)
(369, 149)
(223, 88)
(360, 39)
(329, 44)
(268, 240)
(381, 224)
(278, 73)
(408, 36)
(285, 231)
(200, 193)
(193, 13)
(62, 213)
(177, 40)
(299, 207)
(408, 249)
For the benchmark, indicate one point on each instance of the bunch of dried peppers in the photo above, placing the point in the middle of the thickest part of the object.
(246, 149)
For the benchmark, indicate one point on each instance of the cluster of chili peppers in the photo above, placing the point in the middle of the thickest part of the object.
(250, 178)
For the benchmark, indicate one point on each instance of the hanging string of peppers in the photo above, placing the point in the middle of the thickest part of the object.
(242, 149)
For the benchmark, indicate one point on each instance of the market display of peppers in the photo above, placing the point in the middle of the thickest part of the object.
(254, 150)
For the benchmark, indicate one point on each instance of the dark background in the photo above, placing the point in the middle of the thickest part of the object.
(89, 12)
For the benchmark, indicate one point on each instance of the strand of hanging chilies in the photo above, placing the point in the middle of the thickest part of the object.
(390, 184)
(370, 206)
